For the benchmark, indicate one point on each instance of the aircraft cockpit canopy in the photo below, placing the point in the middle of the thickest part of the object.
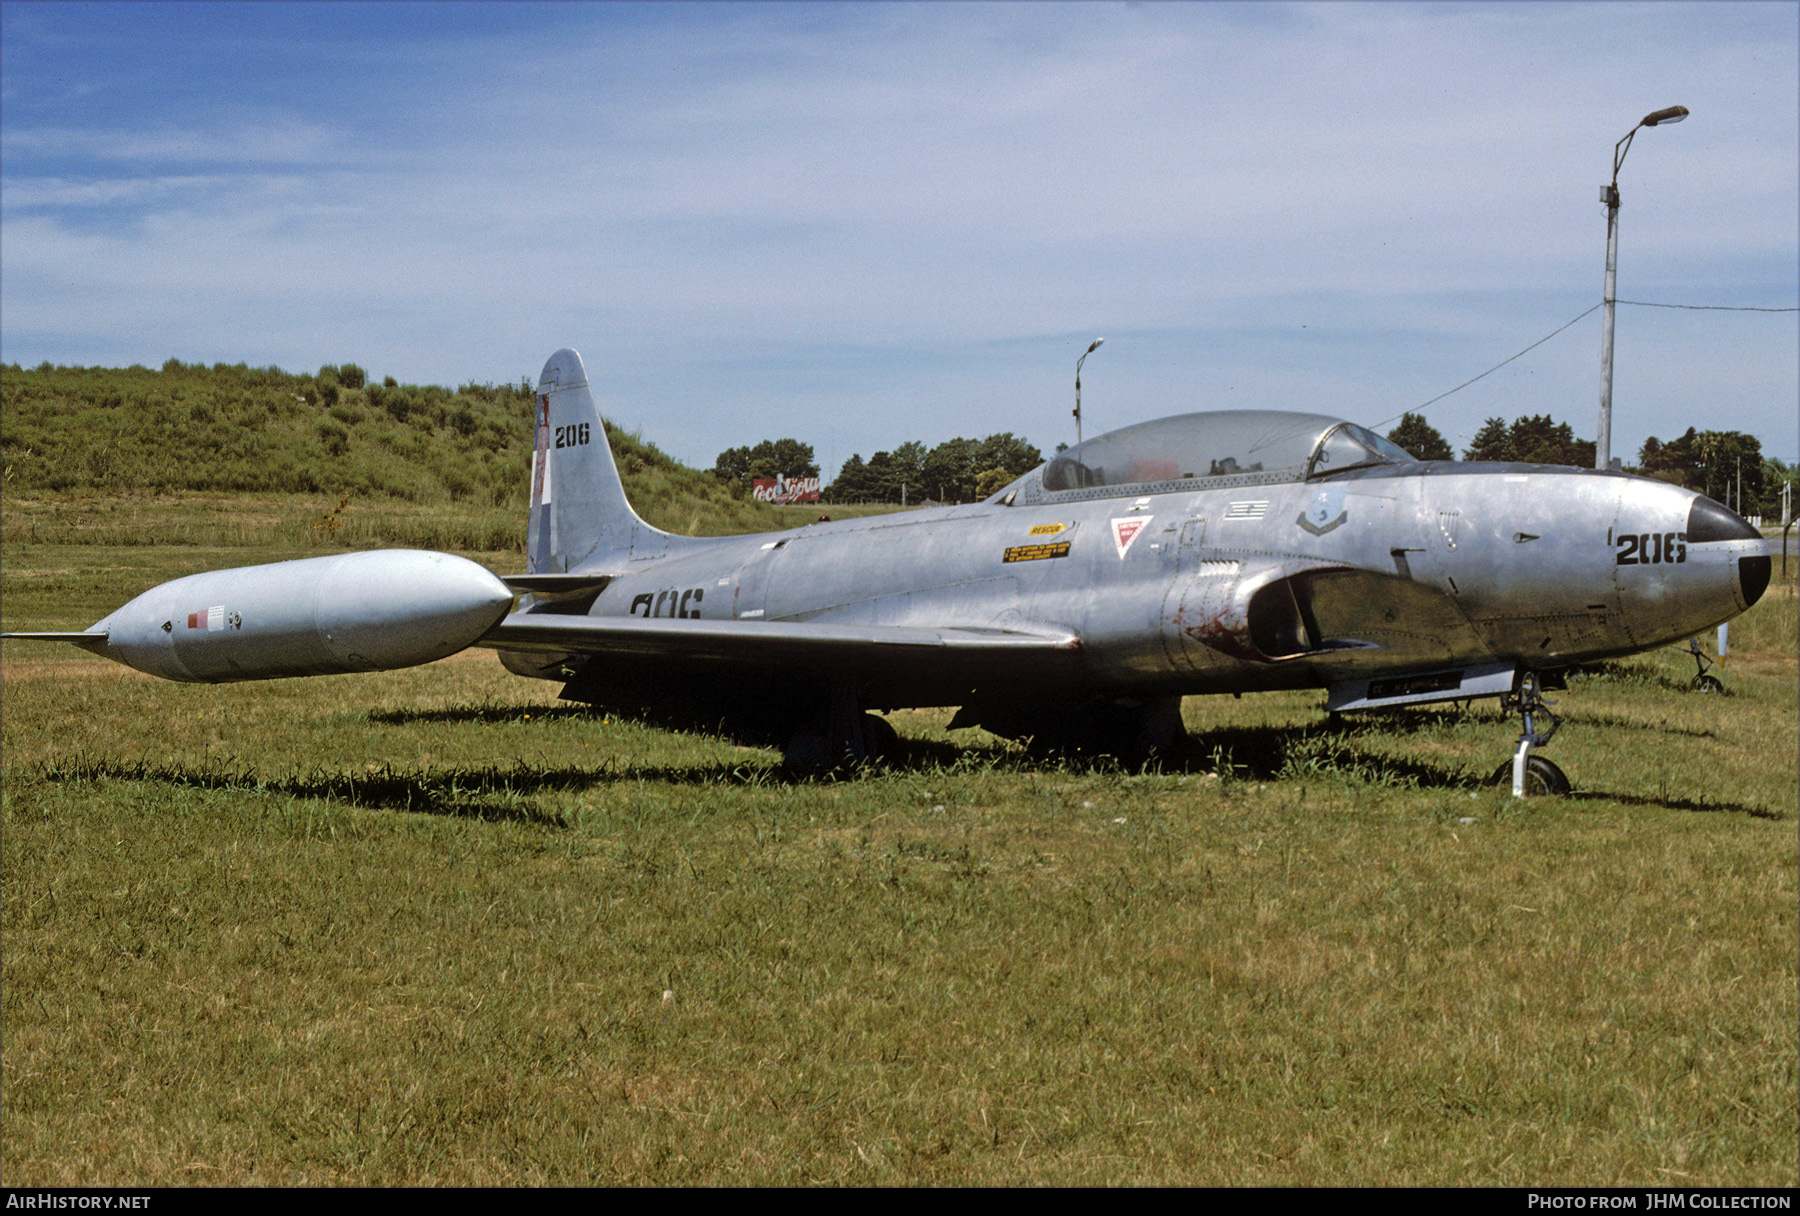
(1255, 446)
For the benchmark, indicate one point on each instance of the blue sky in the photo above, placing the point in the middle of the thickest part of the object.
(860, 224)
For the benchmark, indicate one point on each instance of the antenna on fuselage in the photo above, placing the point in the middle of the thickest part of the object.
(1092, 347)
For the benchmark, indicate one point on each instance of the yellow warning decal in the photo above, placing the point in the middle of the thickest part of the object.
(1036, 553)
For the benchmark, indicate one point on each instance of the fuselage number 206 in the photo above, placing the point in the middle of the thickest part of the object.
(1648, 548)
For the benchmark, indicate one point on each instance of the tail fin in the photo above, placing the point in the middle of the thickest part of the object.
(580, 518)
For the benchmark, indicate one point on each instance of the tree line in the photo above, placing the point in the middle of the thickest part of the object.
(1726, 466)
(957, 470)
(739, 468)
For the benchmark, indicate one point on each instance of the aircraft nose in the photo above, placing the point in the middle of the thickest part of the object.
(1709, 521)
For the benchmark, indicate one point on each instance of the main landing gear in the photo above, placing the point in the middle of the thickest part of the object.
(1136, 731)
(838, 737)
(1531, 776)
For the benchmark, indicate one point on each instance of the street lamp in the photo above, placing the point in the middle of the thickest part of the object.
(1092, 347)
(1610, 196)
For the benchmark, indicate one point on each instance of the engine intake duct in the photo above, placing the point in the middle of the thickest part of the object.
(1325, 612)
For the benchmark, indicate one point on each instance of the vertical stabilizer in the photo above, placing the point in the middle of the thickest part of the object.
(579, 515)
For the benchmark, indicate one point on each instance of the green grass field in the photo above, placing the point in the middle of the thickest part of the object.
(433, 927)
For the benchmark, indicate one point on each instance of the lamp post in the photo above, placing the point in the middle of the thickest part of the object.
(1610, 196)
(1092, 347)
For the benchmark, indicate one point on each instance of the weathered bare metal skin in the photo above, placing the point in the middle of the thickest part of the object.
(1201, 554)
(318, 616)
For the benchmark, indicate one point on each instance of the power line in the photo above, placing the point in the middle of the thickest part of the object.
(1490, 371)
(1701, 308)
(1640, 303)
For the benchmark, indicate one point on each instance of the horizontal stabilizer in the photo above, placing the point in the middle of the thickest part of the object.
(775, 644)
(87, 639)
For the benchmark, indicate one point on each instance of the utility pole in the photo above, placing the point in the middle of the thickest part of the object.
(1610, 196)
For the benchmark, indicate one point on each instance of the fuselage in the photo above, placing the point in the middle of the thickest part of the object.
(1232, 578)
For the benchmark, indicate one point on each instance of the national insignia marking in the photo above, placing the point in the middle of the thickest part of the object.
(1325, 512)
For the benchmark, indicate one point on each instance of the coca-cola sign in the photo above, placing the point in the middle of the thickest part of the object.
(786, 489)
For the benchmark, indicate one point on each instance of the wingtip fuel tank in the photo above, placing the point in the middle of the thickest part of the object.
(373, 611)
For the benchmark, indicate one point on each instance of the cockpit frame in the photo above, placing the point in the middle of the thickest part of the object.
(1205, 451)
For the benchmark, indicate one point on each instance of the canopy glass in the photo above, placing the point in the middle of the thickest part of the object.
(1271, 446)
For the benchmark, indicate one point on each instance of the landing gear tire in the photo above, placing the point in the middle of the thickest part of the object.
(1543, 779)
(1138, 734)
(835, 738)
(880, 740)
(1704, 683)
(1529, 775)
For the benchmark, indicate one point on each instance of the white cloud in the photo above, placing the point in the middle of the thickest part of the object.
(1352, 195)
(290, 141)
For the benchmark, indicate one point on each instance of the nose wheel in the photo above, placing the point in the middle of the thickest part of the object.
(1703, 681)
(1531, 776)
(1543, 779)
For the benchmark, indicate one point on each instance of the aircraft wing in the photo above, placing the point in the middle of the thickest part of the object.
(779, 643)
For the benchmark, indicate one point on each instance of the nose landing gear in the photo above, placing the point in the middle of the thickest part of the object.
(1703, 681)
(1531, 776)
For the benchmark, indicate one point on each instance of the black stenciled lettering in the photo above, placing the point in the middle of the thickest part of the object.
(1651, 548)
(573, 435)
(672, 602)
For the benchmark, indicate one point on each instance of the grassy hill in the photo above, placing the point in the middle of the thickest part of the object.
(243, 455)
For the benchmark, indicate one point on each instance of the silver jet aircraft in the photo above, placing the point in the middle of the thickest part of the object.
(1206, 553)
